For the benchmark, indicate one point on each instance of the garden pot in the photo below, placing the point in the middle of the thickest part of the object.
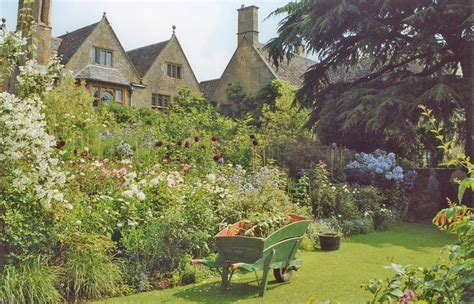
(329, 241)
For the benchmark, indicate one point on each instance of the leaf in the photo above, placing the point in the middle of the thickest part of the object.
(397, 292)
(450, 213)
(465, 184)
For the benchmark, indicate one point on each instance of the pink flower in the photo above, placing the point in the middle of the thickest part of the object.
(186, 167)
(121, 173)
(106, 172)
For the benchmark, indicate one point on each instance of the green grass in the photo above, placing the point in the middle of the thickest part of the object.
(335, 275)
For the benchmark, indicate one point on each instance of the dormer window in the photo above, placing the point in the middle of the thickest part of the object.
(174, 70)
(103, 57)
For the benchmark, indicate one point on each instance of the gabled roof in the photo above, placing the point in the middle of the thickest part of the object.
(144, 57)
(72, 41)
(208, 87)
(291, 71)
(103, 74)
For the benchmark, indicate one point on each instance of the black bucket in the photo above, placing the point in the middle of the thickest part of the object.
(329, 241)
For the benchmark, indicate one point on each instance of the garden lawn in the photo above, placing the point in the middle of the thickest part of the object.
(336, 275)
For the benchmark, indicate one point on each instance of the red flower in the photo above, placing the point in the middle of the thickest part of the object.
(214, 138)
(85, 153)
(187, 143)
(60, 144)
(255, 142)
(74, 151)
(217, 157)
(196, 138)
(252, 137)
(158, 143)
(179, 143)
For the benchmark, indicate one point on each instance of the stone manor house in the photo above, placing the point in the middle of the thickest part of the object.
(152, 75)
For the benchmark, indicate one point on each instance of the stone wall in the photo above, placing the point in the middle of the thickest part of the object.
(158, 82)
(424, 204)
(246, 67)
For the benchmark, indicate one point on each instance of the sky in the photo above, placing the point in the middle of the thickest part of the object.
(206, 29)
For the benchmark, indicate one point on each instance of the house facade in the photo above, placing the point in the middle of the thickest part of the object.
(164, 68)
(146, 77)
(95, 55)
(250, 65)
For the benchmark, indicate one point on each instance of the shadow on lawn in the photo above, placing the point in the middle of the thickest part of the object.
(417, 237)
(212, 293)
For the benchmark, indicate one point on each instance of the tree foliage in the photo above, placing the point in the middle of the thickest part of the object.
(378, 60)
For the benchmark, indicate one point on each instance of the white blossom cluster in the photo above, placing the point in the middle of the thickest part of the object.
(26, 149)
(35, 79)
(12, 48)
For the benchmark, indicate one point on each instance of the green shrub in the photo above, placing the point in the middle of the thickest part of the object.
(88, 269)
(357, 226)
(265, 199)
(161, 244)
(31, 281)
(368, 199)
(27, 228)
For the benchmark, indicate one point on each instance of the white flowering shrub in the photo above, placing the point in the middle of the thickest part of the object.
(27, 158)
(11, 51)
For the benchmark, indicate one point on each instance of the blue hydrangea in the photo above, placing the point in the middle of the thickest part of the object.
(378, 163)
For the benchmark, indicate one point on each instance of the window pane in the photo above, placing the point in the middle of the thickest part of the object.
(108, 97)
(97, 56)
(102, 57)
(174, 70)
(95, 90)
(169, 69)
(108, 59)
(179, 70)
(118, 95)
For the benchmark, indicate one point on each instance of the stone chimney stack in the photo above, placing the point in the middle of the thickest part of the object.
(248, 24)
(38, 11)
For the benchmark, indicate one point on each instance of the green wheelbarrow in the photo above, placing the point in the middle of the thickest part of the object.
(251, 254)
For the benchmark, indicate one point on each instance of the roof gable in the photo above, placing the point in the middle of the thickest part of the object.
(144, 57)
(292, 70)
(259, 55)
(174, 39)
(72, 41)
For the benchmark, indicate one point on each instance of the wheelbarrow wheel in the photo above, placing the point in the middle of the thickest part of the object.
(282, 274)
